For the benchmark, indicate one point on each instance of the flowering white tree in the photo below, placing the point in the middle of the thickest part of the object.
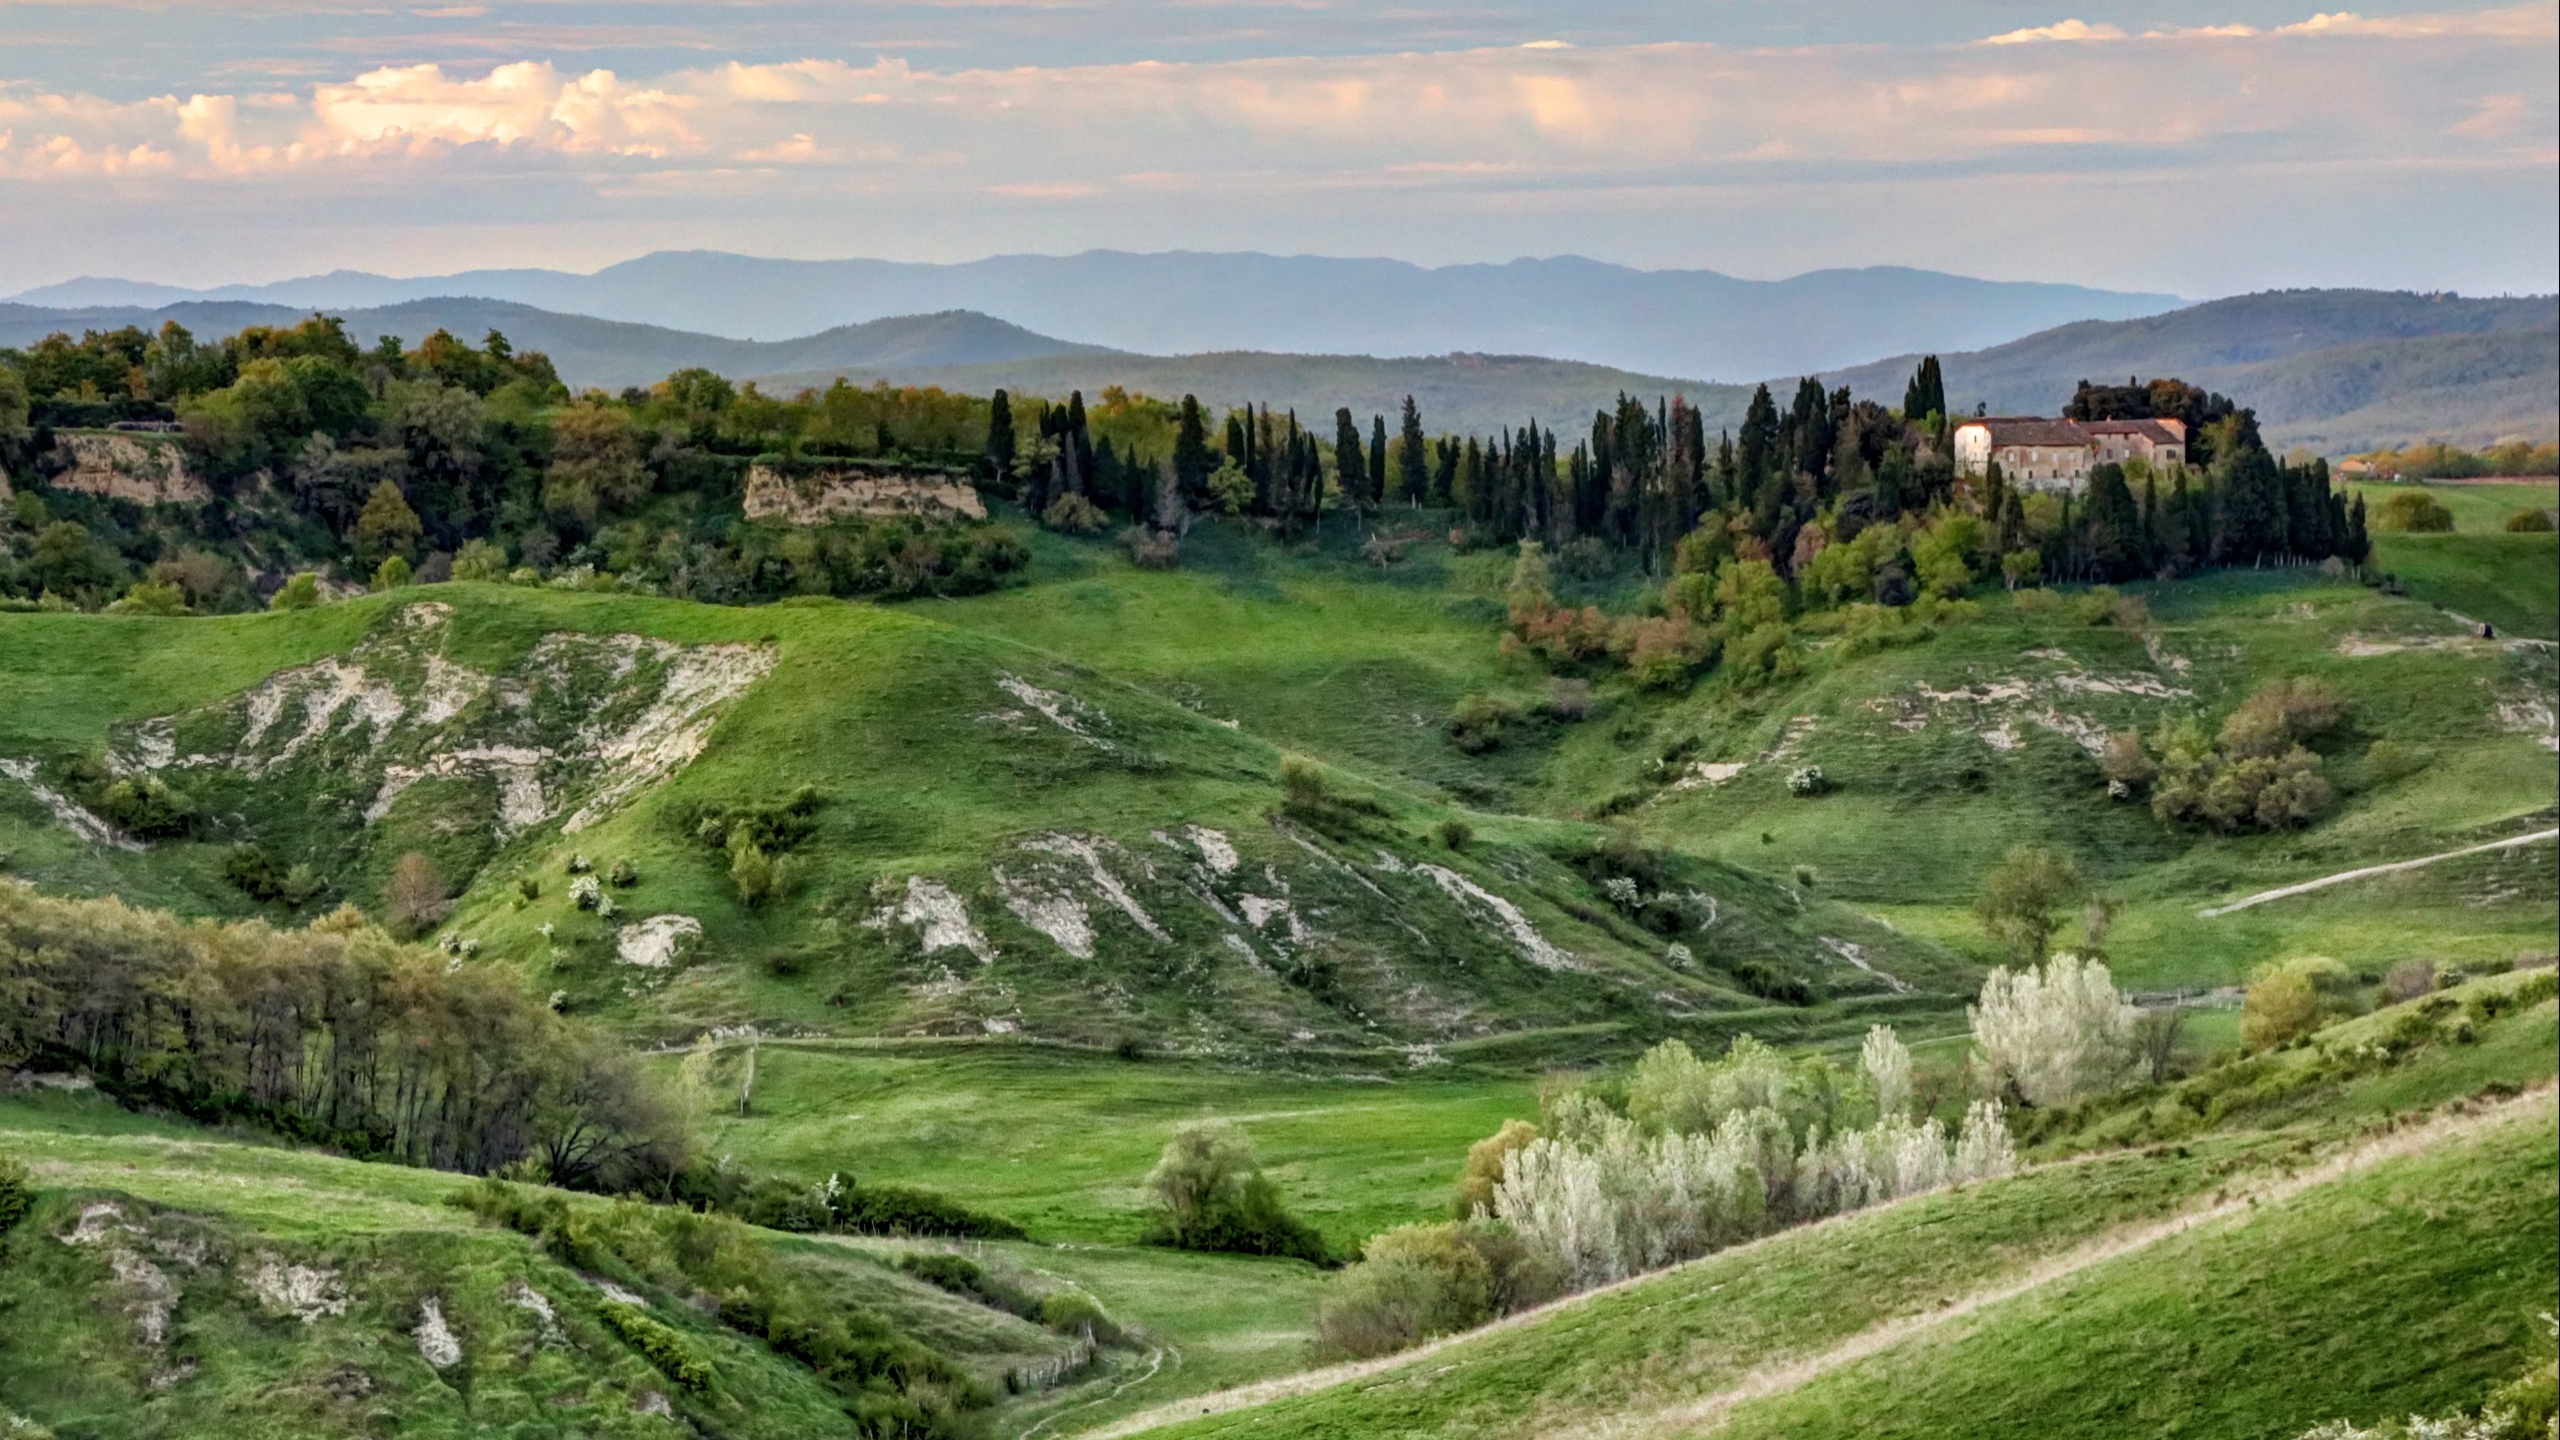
(1696, 1165)
(2056, 1031)
(1888, 1064)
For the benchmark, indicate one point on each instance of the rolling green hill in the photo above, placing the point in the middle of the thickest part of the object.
(1033, 894)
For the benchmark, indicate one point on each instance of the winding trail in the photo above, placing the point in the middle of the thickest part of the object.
(2343, 876)
(1704, 1415)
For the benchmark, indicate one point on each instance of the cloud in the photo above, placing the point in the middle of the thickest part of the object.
(2081, 114)
(2059, 30)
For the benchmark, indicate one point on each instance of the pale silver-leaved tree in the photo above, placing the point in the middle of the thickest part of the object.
(2057, 1031)
(1888, 1064)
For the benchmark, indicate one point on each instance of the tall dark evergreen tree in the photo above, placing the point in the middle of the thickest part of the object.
(1377, 481)
(1756, 449)
(1413, 461)
(1350, 469)
(1191, 462)
(2113, 524)
(1000, 437)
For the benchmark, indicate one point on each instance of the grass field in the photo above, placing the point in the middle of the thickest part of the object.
(1337, 990)
(1063, 1142)
(2512, 581)
(2251, 1324)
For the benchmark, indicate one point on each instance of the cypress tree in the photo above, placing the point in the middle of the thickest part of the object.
(1411, 465)
(1191, 462)
(1757, 449)
(1349, 469)
(2114, 524)
(1378, 460)
(1444, 469)
(1000, 437)
(2359, 544)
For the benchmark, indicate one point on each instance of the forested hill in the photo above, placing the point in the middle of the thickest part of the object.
(592, 352)
(2337, 370)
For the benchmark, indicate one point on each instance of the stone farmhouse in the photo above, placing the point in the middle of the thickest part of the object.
(2059, 454)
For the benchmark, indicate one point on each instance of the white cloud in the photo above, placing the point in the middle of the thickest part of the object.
(2072, 112)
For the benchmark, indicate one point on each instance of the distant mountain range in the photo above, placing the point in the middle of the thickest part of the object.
(1668, 322)
(2336, 370)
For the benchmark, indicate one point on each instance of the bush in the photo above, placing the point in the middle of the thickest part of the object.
(149, 807)
(660, 1345)
(2019, 898)
(1806, 780)
(1476, 726)
(1485, 1161)
(1076, 515)
(1067, 1312)
(1414, 1283)
(2412, 512)
(250, 868)
(299, 593)
(17, 1193)
(392, 574)
(2289, 999)
(2529, 522)
(1151, 549)
(1211, 1195)
(1457, 834)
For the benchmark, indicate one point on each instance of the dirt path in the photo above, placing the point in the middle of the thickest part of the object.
(1704, 1415)
(2343, 876)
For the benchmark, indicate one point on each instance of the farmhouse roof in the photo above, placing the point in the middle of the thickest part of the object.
(2024, 430)
(2160, 432)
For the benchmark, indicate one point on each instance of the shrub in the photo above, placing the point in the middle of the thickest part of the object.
(1075, 515)
(623, 874)
(1806, 780)
(2409, 979)
(2412, 512)
(151, 597)
(1456, 834)
(1476, 725)
(299, 593)
(392, 574)
(2052, 1034)
(250, 868)
(657, 1343)
(1485, 1159)
(1568, 700)
(480, 560)
(1066, 1312)
(17, 1193)
(1151, 549)
(415, 898)
(2531, 521)
(1211, 1195)
(1414, 1283)
(2289, 999)
(149, 807)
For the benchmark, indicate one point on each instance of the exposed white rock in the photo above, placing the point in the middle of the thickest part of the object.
(1062, 710)
(942, 918)
(1089, 850)
(81, 820)
(302, 1291)
(672, 731)
(1533, 946)
(1857, 955)
(1057, 914)
(524, 1297)
(657, 942)
(1215, 848)
(436, 1343)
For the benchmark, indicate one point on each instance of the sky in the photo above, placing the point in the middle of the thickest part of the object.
(2199, 147)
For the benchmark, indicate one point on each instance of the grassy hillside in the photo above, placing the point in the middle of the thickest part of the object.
(2285, 1269)
(2479, 570)
(1042, 898)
